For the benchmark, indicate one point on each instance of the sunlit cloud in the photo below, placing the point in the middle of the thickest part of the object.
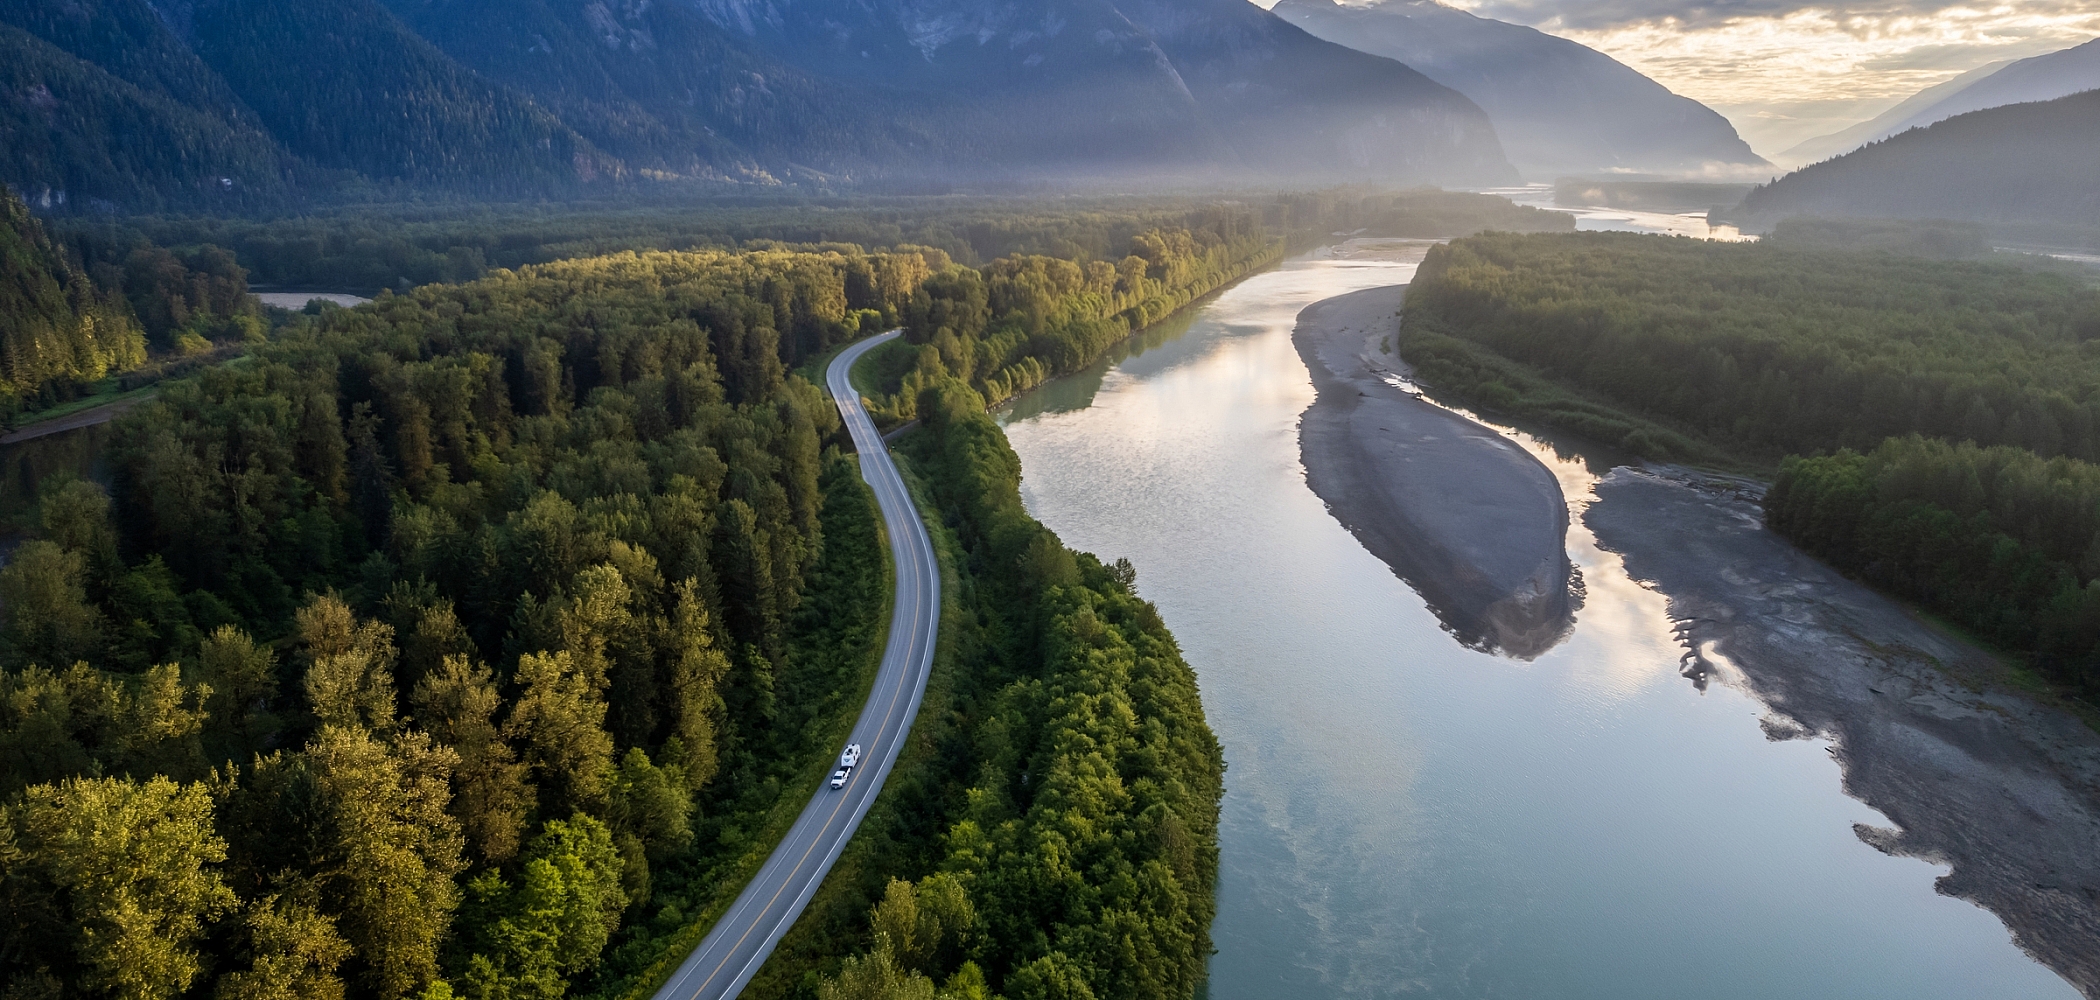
(1771, 64)
(1816, 54)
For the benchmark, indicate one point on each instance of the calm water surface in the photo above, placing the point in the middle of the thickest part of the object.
(1605, 218)
(1406, 817)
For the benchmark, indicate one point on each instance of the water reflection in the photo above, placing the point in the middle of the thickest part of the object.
(1601, 218)
(1406, 817)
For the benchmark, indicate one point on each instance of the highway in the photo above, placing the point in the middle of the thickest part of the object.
(739, 943)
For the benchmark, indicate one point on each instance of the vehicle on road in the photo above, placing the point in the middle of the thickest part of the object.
(739, 943)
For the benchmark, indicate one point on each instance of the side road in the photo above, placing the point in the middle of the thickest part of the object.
(739, 944)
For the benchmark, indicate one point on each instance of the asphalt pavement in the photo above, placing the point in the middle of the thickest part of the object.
(740, 942)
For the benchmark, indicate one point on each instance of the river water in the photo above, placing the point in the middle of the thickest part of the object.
(1605, 218)
(1408, 817)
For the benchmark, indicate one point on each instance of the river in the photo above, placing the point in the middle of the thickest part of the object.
(1405, 816)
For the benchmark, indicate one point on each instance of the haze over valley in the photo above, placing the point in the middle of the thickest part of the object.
(1048, 500)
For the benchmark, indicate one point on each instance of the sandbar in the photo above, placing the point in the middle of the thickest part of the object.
(2001, 788)
(1474, 523)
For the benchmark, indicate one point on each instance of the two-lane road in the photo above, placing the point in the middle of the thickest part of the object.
(741, 940)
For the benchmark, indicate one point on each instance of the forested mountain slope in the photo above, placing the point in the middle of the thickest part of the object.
(2023, 163)
(2037, 78)
(54, 324)
(343, 84)
(74, 136)
(559, 97)
(1559, 106)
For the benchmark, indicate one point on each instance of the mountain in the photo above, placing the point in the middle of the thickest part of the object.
(163, 132)
(242, 98)
(2040, 78)
(1560, 107)
(343, 84)
(2021, 163)
(962, 89)
(55, 326)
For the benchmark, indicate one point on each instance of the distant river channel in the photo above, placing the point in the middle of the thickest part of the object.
(1406, 817)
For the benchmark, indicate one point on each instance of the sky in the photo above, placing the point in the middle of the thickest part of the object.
(1788, 70)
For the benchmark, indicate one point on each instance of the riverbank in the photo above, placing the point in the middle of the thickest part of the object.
(1472, 522)
(2002, 790)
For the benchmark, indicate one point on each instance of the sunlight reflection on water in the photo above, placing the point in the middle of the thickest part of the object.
(1405, 816)
(1595, 218)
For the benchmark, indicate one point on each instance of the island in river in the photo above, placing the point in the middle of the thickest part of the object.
(1471, 521)
(2001, 789)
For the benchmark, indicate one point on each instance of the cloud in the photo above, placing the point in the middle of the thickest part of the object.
(1752, 53)
(1862, 18)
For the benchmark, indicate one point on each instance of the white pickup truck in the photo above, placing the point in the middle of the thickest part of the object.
(846, 762)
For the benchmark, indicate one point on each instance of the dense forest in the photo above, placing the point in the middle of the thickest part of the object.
(399, 650)
(471, 643)
(2018, 163)
(368, 248)
(79, 313)
(1949, 410)
(1070, 830)
(56, 327)
(1769, 350)
(1021, 320)
(2001, 540)
(148, 132)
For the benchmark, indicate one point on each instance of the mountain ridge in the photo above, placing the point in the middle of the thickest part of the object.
(555, 98)
(2029, 163)
(2020, 81)
(1560, 107)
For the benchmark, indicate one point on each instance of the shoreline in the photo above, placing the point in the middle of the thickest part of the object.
(2002, 790)
(1474, 524)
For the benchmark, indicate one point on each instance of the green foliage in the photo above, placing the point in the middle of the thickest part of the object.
(1839, 341)
(110, 885)
(552, 471)
(293, 950)
(56, 328)
(531, 936)
(1998, 539)
(80, 720)
(43, 589)
(516, 613)
(1765, 350)
(1077, 830)
(369, 247)
(1019, 321)
(82, 138)
(457, 703)
(1937, 239)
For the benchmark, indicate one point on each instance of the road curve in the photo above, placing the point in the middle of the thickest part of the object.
(741, 940)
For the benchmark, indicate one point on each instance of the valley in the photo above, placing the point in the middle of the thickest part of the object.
(1048, 500)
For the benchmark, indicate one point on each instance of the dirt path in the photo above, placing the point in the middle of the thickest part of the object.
(74, 421)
